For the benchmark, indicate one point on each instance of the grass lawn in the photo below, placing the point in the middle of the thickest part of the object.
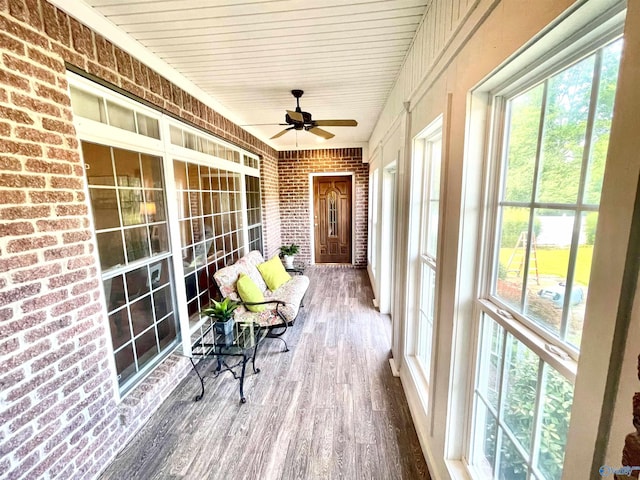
(553, 262)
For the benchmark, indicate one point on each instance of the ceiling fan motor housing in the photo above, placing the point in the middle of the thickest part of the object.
(291, 121)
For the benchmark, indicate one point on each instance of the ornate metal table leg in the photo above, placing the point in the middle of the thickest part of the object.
(198, 397)
(244, 364)
(253, 360)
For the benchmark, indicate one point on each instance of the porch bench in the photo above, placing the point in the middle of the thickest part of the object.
(282, 304)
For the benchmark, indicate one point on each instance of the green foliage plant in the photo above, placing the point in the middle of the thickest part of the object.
(289, 249)
(221, 311)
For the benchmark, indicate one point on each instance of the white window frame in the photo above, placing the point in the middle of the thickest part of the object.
(544, 345)
(244, 163)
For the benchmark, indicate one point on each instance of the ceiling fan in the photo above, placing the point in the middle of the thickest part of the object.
(299, 120)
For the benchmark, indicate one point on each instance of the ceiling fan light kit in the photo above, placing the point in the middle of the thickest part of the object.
(299, 120)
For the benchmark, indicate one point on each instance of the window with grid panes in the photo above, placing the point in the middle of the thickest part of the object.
(555, 136)
(430, 207)
(139, 233)
(254, 212)
(210, 224)
(127, 195)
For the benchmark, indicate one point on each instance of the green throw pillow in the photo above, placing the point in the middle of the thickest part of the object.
(274, 273)
(249, 292)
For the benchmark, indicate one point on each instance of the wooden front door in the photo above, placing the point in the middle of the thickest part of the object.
(332, 219)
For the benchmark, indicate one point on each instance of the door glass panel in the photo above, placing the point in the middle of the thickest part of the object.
(332, 215)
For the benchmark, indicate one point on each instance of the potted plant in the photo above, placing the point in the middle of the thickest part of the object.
(289, 252)
(222, 312)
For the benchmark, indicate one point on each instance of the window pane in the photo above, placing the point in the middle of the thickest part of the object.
(125, 363)
(581, 278)
(492, 351)
(148, 126)
(512, 465)
(87, 105)
(121, 117)
(512, 254)
(110, 249)
(127, 168)
(119, 327)
(141, 315)
(146, 347)
(137, 282)
(485, 440)
(521, 378)
(97, 163)
(549, 267)
(602, 122)
(433, 205)
(167, 331)
(137, 243)
(114, 292)
(132, 207)
(565, 126)
(152, 171)
(104, 206)
(556, 413)
(524, 124)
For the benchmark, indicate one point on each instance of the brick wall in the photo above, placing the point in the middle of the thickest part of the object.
(294, 168)
(58, 412)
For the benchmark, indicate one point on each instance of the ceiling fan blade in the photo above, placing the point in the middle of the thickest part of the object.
(280, 133)
(297, 116)
(321, 133)
(336, 123)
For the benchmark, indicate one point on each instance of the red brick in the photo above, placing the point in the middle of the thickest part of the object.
(74, 332)
(70, 305)
(75, 237)
(34, 382)
(16, 229)
(64, 252)
(31, 243)
(67, 279)
(23, 357)
(80, 262)
(25, 465)
(46, 166)
(9, 43)
(67, 183)
(29, 414)
(44, 301)
(8, 346)
(56, 24)
(85, 287)
(49, 329)
(35, 105)
(35, 135)
(53, 63)
(57, 225)
(48, 462)
(15, 441)
(71, 210)
(50, 197)
(20, 148)
(23, 212)
(13, 80)
(19, 293)
(58, 126)
(12, 196)
(82, 39)
(28, 69)
(63, 154)
(123, 62)
(41, 271)
(10, 263)
(14, 115)
(11, 379)
(26, 11)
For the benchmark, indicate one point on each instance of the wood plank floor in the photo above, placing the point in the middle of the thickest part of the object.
(327, 409)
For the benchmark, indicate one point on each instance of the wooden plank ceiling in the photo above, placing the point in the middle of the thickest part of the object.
(249, 54)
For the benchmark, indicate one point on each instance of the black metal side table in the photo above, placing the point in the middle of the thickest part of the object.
(295, 270)
(242, 342)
